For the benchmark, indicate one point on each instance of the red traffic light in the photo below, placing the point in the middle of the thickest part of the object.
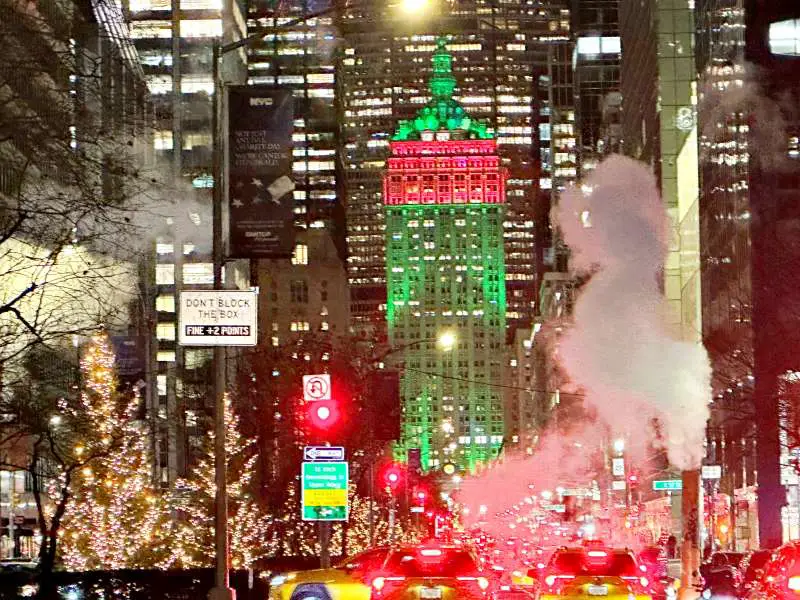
(392, 476)
(323, 414)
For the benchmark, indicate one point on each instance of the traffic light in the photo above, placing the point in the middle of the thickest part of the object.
(323, 415)
(633, 480)
(392, 477)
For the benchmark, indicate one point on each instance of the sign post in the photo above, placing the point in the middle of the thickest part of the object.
(324, 491)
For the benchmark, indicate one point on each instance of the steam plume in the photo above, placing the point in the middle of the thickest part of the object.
(620, 349)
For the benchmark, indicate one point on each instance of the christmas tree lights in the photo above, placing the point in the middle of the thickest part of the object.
(115, 518)
(252, 535)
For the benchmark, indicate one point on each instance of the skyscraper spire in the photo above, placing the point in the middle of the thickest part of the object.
(442, 112)
(442, 82)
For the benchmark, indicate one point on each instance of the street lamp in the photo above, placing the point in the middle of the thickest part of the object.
(619, 445)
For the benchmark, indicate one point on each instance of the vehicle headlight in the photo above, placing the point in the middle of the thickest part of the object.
(706, 594)
(29, 590)
(277, 580)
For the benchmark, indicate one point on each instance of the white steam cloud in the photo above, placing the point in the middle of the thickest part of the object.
(620, 348)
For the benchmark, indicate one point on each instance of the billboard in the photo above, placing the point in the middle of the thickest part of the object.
(260, 198)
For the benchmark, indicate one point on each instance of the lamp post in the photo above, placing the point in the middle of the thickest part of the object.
(222, 589)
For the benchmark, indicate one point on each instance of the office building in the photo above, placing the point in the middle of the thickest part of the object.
(749, 61)
(174, 43)
(444, 196)
(515, 62)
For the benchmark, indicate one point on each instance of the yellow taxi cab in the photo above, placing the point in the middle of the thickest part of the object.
(431, 572)
(348, 580)
(593, 574)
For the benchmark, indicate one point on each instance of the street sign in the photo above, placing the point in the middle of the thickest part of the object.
(218, 318)
(321, 453)
(316, 387)
(618, 484)
(324, 491)
(711, 472)
(417, 509)
(618, 467)
(668, 485)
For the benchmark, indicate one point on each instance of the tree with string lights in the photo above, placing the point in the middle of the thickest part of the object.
(115, 518)
(252, 535)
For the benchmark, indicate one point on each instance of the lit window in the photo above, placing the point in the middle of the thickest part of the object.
(275, 341)
(324, 326)
(161, 384)
(162, 248)
(162, 140)
(784, 37)
(165, 331)
(300, 255)
(165, 304)
(151, 29)
(201, 28)
(165, 274)
(191, 418)
(165, 356)
(137, 5)
(193, 84)
(198, 273)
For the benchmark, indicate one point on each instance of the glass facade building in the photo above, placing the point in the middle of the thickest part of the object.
(174, 42)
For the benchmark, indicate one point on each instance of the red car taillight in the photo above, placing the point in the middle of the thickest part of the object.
(555, 582)
(481, 582)
(381, 584)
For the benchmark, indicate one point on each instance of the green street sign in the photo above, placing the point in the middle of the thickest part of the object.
(668, 485)
(324, 491)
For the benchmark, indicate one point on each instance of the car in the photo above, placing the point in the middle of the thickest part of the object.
(593, 573)
(348, 580)
(780, 577)
(752, 566)
(431, 572)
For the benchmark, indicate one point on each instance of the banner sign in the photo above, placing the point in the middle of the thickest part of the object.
(260, 198)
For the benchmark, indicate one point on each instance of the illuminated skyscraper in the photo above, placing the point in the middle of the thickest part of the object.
(444, 203)
(515, 60)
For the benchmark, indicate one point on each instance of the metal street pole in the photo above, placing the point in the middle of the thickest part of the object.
(372, 502)
(221, 589)
(391, 520)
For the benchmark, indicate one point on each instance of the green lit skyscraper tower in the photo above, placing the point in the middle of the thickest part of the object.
(444, 194)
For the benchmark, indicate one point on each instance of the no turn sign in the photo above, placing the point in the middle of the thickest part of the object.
(316, 387)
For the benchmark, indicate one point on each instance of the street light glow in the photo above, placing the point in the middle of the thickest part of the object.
(619, 445)
(447, 340)
(415, 7)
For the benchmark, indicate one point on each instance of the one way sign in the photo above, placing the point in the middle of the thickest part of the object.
(318, 453)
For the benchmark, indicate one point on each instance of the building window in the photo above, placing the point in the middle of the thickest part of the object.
(165, 331)
(300, 255)
(165, 304)
(165, 274)
(275, 341)
(166, 356)
(300, 326)
(299, 291)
